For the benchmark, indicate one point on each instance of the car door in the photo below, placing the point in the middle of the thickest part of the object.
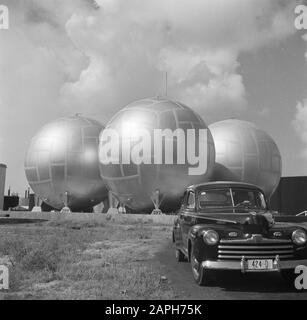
(187, 217)
(179, 222)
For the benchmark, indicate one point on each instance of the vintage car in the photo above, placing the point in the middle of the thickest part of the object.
(228, 226)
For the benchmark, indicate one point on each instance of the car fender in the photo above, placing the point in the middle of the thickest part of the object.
(195, 238)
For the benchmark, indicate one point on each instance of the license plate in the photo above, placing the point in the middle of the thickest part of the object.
(260, 264)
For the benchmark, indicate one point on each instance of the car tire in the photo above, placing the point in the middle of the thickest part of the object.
(201, 276)
(289, 277)
(180, 257)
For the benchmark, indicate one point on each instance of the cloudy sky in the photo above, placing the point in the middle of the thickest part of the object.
(225, 58)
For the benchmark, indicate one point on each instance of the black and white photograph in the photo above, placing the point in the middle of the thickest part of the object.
(153, 150)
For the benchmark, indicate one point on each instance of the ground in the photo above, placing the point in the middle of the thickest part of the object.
(113, 260)
(84, 260)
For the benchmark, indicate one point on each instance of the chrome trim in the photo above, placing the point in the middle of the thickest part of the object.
(256, 247)
(255, 238)
(287, 256)
(233, 203)
(237, 265)
(255, 251)
(209, 218)
(303, 213)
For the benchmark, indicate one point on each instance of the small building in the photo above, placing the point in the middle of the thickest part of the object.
(2, 184)
(10, 202)
(290, 197)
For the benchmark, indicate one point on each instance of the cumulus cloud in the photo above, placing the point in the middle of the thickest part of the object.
(300, 118)
(130, 45)
(62, 57)
(36, 59)
(300, 123)
(96, 56)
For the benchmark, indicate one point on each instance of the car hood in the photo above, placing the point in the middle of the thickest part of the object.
(249, 222)
(245, 224)
(238, 217)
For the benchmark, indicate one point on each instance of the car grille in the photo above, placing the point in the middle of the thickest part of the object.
(255, 248)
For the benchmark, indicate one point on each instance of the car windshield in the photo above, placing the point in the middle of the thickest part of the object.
(232, 198)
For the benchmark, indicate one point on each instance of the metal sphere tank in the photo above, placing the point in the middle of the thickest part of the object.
(143, 186)
(245, 153)
(61, 163)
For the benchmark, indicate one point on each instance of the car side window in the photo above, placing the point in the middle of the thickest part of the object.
(191, 200)
(183, 199)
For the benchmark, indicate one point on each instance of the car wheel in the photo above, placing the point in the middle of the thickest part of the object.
(289, 277)
(201, 276)
(180, 257)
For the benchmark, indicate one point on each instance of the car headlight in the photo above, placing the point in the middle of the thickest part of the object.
(211, 237)
(299, 237)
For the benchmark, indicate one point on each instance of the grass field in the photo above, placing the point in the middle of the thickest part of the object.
(84, 260)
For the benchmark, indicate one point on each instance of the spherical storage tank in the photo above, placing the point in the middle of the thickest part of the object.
(245, 153)
(141, 184)
(61, 163)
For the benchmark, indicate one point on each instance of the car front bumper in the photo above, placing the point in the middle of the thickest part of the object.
(242, 265)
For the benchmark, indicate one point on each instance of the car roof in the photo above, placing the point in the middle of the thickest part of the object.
(223, 184)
